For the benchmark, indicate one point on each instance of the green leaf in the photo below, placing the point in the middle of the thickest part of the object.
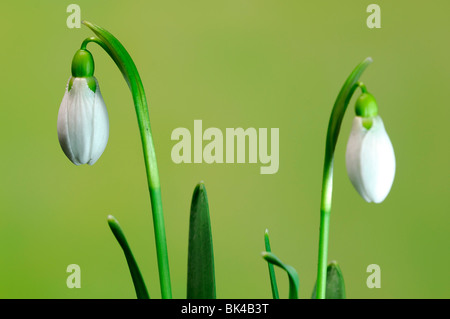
(138, 281)
(291, 272)
(335, 283)
(201, 283)
(273, 280)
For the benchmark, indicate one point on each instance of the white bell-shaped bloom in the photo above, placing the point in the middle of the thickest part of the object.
(370, 159)
(83, 124)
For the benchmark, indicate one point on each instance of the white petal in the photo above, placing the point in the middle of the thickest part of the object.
(370, 160)
(63, 128)
(100, 126)
(352, 156)
(83, 125)
(80, 115)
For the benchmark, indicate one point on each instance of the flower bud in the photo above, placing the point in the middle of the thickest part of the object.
(83, 124)
(366, 105)
(82, 64)
(370, 159)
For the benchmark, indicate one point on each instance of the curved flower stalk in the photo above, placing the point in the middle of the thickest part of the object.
(370, 159)
(83, 124)
(83, 66)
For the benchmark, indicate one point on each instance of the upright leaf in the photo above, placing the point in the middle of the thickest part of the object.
(335, 288)
(201, 283)
(273, 280)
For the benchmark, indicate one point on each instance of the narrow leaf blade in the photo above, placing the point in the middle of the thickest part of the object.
(201, 283)
(138, 280)
(273, 280)
(291, 272)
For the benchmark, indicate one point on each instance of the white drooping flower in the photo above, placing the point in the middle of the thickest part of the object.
(370, 159)
(83, 124)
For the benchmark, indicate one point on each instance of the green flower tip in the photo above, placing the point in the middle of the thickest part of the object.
(366, 106)
(82, 64)
(83, 67)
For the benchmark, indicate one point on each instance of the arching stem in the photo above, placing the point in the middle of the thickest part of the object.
(334, 125)
(129, 71)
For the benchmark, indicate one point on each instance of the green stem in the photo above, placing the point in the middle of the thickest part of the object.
(334, 125)
(362, 87)
(273, 280)
(129, 71)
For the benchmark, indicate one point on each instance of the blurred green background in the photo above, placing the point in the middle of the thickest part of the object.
(240, 63)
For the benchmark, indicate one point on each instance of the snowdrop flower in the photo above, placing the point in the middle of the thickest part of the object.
(83, 125)
(370, 158)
